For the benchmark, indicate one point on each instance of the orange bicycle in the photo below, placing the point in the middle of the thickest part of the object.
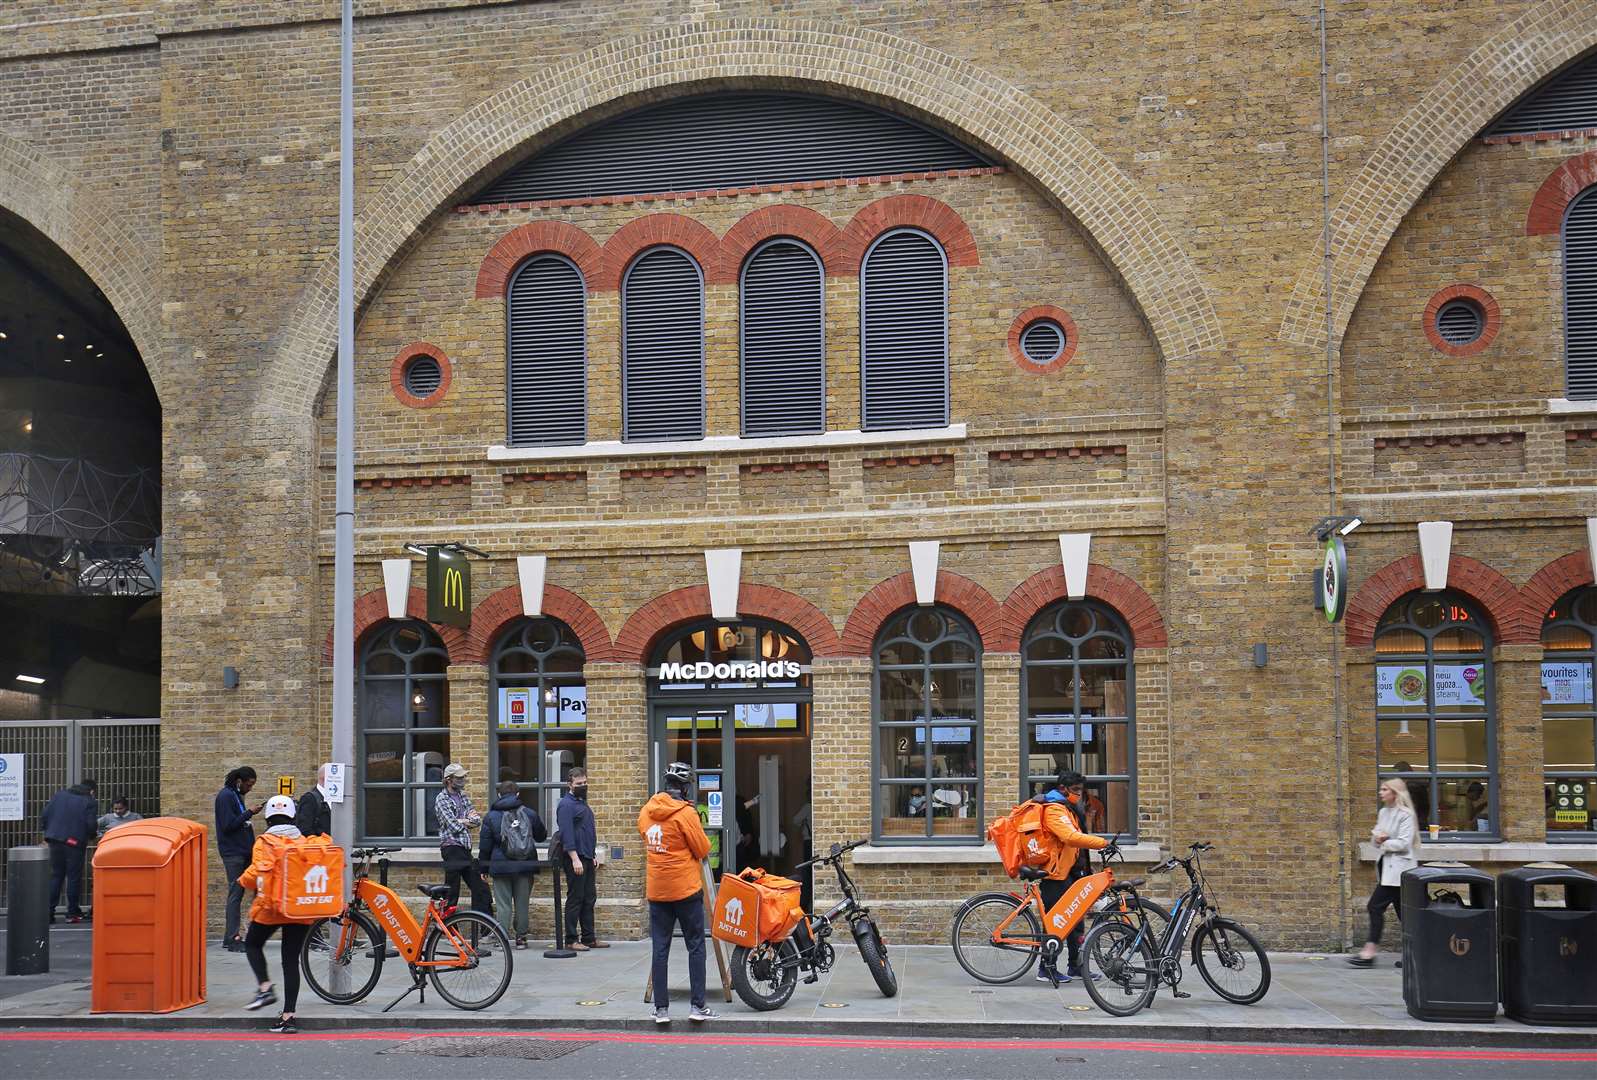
(465, 954)
(998, 936)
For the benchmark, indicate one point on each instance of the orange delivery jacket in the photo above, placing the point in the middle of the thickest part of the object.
(674, 844)
(1069, 840)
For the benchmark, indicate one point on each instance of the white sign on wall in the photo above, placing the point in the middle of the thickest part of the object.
(11, 787)
(1566, 683)
(334, 783)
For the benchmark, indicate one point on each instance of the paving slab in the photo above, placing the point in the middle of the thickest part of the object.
(1312, 998)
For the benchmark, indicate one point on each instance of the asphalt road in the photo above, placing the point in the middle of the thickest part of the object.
(686, 1054)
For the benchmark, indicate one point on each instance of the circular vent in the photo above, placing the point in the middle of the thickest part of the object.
(1042, 341)
(1460, 322)
(423, 376)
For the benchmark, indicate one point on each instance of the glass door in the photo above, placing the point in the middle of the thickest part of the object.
(701, 736)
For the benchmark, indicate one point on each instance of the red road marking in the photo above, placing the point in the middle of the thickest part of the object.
(831, 1042)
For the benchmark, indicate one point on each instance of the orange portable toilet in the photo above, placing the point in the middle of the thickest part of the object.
(149, 917)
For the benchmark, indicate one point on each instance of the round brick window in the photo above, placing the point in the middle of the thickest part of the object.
(1461, 320)
(419, 375)
(423, 376)
(1042, 339)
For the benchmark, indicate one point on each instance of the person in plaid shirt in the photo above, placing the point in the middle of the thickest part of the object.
(456, 818)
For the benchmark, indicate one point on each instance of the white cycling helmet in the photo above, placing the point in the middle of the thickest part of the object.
(279, 806)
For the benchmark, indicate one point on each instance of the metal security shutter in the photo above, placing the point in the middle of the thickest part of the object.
(904, 333)
(1566, 102)
(729, 140)
(1580, 296)
(784, 341)
(546, 351)
(662, 348)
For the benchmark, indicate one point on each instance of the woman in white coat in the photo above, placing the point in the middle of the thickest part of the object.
(1396, 828)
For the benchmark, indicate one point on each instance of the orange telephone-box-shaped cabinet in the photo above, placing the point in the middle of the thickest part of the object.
(149, 917)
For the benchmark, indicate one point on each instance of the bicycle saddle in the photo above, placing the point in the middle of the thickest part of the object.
(1032, 873)
(433, 892)
(1132, 883)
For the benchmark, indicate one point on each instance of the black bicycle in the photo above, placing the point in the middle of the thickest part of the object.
(1127, 959)
(764, 976)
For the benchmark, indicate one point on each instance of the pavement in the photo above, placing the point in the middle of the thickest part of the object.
(1313, 998)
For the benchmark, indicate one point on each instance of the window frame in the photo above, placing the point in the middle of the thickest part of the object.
(1112, 625)
(626, 365)
(743, 381)
(432, 645)
(1432, 775)
(510, 285)
(510, 640)
(977, 724)
(1588, 655)
(864, 331)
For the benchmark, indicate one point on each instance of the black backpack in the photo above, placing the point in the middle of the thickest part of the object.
(515, 834)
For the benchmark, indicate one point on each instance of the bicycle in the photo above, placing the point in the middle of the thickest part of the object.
(984, 935)
(465, 954)
(764, 976)
(1134, 960)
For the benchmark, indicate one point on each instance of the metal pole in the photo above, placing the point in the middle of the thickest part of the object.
(344, 477)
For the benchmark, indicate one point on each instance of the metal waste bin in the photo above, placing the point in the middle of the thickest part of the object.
(1449, 943)
(27, 911)
(1549, 954)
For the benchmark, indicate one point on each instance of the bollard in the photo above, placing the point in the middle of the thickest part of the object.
(559, 952)
(28, 911)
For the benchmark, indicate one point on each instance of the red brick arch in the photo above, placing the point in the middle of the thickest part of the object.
(1107, 586)
(645, 627)
(799, 222)
(898, 592)
(1503, 605)
(371, 610)
(499, 609)
(1546, 216)
(560, 237)
(652, 230)
(1548, 585)
(916, 211)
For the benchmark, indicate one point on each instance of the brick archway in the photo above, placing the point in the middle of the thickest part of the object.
(1495, 74)
(783, 219)
(898, 592)
(1497, 596)
(1107, 586)
(1548, 585)
(1546, 215)
(914, 211)
(794, 54)
(644, 628)
(371, 609)
(499, 609)
(559, 237)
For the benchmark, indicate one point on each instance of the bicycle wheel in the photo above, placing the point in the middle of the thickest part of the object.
(1124, 959)
(974, 926)
(1158, 917)
(873, 950)
(343, 957)
(485, 974)
(1231, 961)
(764, 976)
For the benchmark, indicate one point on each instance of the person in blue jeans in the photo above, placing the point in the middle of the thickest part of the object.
(675, 847)
(68, 825)
(235, 840)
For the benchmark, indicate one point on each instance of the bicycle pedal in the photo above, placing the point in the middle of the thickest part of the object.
(811, 977)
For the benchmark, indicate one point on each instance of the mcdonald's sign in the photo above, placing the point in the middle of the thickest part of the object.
(448, 587)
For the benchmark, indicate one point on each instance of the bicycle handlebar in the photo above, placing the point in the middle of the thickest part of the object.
(368, 852)
(837, 852)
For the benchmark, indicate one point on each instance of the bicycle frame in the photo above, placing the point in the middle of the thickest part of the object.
(400, 925)
(1067, 913)
(1191, 907)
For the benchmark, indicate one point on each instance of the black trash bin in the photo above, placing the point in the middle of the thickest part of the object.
(1549, 953)
(1449, 943)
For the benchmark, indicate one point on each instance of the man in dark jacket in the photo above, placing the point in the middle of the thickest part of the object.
(315, 815)
(579, 842)
(509, 825)
(235, 840)
(71, 818)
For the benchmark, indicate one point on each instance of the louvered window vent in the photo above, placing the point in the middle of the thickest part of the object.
(546, 369)
(1565, 102)
(1460, 322)
(423, 376)
(1580, 296)
(1042, 341)
(662, 348)
(783, 330)
(904, 332)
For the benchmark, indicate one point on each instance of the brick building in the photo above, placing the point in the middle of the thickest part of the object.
(924, 323)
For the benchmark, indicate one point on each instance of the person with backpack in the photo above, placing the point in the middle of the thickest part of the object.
(1064, 811)
(68, 824)
(674, 847)
(509, 849)
(266, 920)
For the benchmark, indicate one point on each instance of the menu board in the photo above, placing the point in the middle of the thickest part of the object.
(1566, 682)
(1401, 686)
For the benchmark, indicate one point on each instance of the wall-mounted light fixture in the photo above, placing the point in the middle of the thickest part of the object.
(1261, 655)
(230, 678)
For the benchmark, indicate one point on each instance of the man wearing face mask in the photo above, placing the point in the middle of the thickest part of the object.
(1064, 811)
(579, 839)
(456, 818)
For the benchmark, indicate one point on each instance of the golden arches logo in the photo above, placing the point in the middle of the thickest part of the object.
(454, 589)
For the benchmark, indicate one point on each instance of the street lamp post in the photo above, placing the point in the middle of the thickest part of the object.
(344, 476)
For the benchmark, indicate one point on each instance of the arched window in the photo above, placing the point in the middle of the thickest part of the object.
(1435, 709)
(546, 353)
(1569, 718)
(904, 333)
(404, 730)
(1580, 295)
(783, 340)
(927, 710)
(1078, 711)
(539, 710)
(662, 347)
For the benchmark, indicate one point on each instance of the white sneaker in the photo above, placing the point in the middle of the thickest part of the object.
(700, 1013)
(662, 1016)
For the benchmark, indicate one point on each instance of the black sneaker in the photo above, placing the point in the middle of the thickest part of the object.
(263, 998)
(285, 1026)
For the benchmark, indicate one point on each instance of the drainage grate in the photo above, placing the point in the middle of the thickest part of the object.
(524, 1047)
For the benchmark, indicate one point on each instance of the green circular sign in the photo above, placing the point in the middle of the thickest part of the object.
(1333, 578)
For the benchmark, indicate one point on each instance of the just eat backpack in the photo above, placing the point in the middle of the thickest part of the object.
(307, 880)
(515, 835)
(1022, 838)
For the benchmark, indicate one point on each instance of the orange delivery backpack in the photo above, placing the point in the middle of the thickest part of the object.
(1022, 839)
(307, 882)
(753, 907)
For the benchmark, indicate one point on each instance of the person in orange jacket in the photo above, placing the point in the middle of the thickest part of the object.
(1064, 810)
(675, 845)
(264, 921)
